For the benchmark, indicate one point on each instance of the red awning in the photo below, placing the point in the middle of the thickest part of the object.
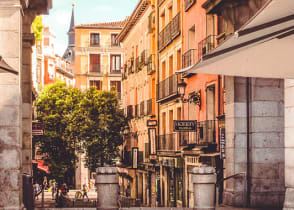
(41, 166)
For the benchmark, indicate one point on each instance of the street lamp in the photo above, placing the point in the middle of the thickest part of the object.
(194, 97)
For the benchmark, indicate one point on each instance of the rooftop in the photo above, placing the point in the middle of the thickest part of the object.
(105, 25)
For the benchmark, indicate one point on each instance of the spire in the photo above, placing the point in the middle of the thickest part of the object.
(72, 21)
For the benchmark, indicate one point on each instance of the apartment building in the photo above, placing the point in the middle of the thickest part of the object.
(138, 100)
(98, 56)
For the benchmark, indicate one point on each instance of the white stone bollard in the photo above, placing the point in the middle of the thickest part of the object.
(106, 183)
(204, 180)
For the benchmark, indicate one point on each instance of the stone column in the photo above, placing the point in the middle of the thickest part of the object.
(10, 106)
(26, 86)
(204, 180)
(289, 144)
(266, 139)
(107, 184)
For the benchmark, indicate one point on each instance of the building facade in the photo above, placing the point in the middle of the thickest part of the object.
(98, 59)
(16, 42)
(138, 100)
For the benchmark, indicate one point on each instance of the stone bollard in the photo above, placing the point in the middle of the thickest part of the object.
(204, 180)
(106, 183)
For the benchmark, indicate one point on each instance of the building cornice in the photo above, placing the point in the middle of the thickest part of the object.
(133, 19)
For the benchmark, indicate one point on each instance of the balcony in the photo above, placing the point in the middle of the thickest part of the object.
(115, 71)
(142, 108)
(143, 58)
(151, 106)
(190, 58)
(130, 111)
(136, 107)
(205, 134)
(169, 33)
(189, 4)
(206, 45)
(95, 68)
(151, 64)
(167, 142)
(131, 66)
(137, 65)
(167, 87)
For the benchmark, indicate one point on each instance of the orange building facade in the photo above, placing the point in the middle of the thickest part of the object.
(138, 100)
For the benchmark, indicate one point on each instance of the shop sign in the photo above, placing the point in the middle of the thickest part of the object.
(37, 129)
(151, 123)
(135, 157)
(184, 125)
(222, 143)
(152, 140)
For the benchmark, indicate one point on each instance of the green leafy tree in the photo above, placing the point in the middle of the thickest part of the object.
(37, 27)
(56, 104)
(100, 123)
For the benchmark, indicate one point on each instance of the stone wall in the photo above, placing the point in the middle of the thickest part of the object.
(266, 123)
(10, 106)
(289, 144)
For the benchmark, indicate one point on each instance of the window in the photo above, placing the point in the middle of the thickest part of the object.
(116, 85)
(95, 63)
(115, 63)
(94, 39)
(46, 41)
(114, 41)
(96, 83)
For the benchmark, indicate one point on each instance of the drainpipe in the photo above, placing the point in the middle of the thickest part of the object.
(248, 140)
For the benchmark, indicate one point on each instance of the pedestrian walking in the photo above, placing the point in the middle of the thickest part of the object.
(128, 191)
(85, 191)
(53, 188)
(37, 189)
(119, 198)
(45, 183)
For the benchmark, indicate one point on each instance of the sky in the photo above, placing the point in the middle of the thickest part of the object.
(86, 11)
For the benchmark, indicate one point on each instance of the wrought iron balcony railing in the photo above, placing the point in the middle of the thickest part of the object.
(167, 142)
(130, 111)
(206, 45)
(205, 134)
(151, 106)
(151, 64)
(169, 33)
(137, 64)
(190, 58)
(167, 87)
(95, 68)
(142, 108)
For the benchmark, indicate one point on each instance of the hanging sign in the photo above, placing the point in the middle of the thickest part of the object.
(152, 140)
(37, 129)
(185, 125)
(151, 123)
(222, 143)
(135, 157)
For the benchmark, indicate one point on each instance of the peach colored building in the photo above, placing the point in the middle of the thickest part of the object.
(98, 56)
(138, 99)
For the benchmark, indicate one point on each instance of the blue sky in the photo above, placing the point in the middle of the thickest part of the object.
(86, 11)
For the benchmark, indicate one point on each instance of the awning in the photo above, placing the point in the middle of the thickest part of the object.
(41, 166)
(263, 47)
(5, 68)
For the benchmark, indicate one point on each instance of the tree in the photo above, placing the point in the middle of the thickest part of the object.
(37, 27)
(100, 123)
(55, 106)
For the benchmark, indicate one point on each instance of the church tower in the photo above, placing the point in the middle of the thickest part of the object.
(69, 52)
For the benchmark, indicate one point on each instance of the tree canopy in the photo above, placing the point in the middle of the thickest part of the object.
(37, 27)
(76, 121)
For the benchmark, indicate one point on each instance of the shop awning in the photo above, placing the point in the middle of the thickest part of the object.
(263, 47)
(5, 68)
(41, 166)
